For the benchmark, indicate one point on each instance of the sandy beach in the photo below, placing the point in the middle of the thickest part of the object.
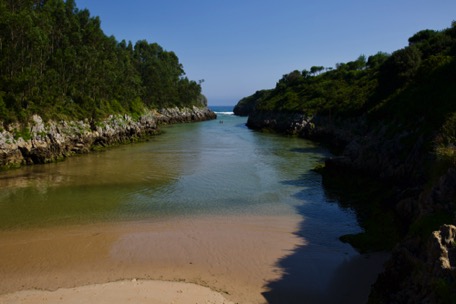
(134, 291)
(233, 256)
(199, 260)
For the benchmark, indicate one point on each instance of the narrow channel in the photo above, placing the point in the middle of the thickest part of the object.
(210, 203)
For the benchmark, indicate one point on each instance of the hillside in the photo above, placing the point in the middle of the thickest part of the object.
(56, 62)
(389, 118)
(66, 88)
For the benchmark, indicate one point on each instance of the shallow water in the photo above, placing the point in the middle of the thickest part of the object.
(202, 168)
(214, 169)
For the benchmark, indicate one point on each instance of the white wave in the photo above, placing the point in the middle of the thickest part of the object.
(225, 113)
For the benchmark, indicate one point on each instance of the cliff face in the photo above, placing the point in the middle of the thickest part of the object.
(41, 142)
(363, 147)
(422, 267)
(243, 109)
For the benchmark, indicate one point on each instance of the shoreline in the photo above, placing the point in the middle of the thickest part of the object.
(233, 256)
(120, 292)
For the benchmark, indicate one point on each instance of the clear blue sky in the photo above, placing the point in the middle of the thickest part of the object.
(241, 46)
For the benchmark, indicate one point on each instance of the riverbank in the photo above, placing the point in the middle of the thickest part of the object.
(40, 142)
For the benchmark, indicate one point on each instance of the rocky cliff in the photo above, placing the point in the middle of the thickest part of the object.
(39, 142)
(422, 267)
(361, 146)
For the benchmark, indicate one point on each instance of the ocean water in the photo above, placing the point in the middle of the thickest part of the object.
(222, 110)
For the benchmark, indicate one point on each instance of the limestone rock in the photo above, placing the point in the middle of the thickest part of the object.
(442, 250)
(51, 141)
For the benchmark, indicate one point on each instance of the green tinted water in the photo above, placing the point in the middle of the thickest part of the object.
(192, 169)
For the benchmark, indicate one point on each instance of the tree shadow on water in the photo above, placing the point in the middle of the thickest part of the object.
(323, 269)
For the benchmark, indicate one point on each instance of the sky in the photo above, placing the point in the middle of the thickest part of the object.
(241, 46)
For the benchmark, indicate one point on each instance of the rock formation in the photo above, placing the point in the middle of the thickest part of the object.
(41, 142)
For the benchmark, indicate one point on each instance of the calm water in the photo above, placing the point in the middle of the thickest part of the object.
(214, 167)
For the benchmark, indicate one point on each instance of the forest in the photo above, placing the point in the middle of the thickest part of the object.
(411, 84)
(55, 61)
(363, 84)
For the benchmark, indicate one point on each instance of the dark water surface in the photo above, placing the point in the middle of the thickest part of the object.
(211, 168)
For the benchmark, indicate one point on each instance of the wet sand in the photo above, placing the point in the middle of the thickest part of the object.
(234, 256)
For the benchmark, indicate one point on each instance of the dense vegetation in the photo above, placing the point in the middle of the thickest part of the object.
(365, 85)
(415, 87)
(56, 61)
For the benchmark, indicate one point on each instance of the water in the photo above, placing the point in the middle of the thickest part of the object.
(210, 170)
(213, 167)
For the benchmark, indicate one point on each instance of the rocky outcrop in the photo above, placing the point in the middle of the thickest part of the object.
(320, 128)
(422, 268)
(360, 147)
(420, 272)
(180, 115)
(41, 142)
(442, 252)
(281, 122)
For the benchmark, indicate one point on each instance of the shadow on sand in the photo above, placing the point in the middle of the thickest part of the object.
(323, 270)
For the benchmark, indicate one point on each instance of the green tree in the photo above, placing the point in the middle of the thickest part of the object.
(400, 68)
(56, 61)
(316, 69)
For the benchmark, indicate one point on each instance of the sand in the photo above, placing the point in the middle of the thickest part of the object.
(234, 256)
(134, 292)
(229, 259)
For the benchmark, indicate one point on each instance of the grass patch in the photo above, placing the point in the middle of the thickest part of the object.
(23, 133)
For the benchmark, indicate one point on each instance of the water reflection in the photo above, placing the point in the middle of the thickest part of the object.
(88, 188)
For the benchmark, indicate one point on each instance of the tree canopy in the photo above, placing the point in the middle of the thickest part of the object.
(420, 79)
(56, 61)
